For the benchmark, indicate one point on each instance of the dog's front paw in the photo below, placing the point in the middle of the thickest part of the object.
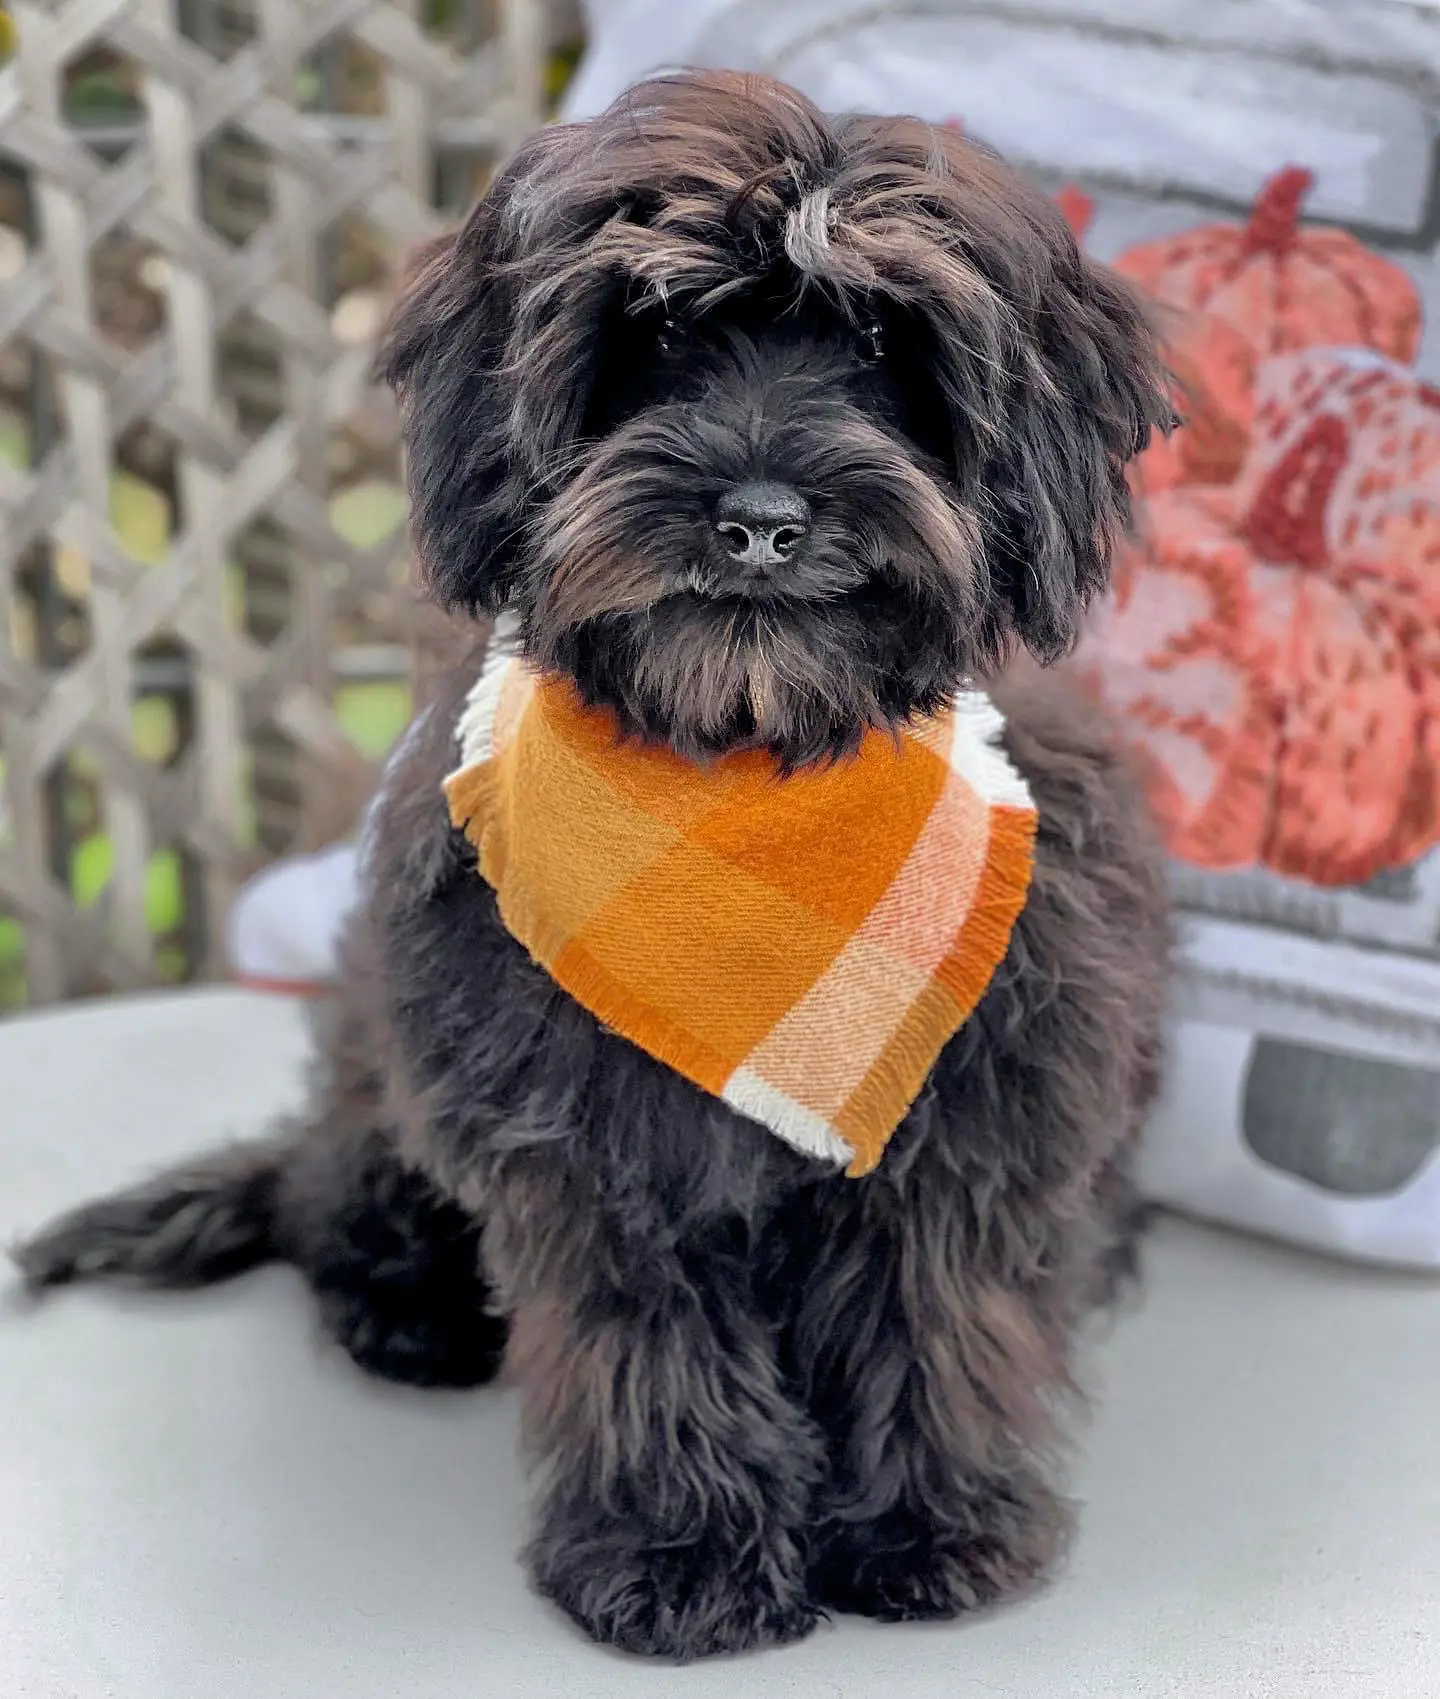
(901, 1569)
(678, 1602)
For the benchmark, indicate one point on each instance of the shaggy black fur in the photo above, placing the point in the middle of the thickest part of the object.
(754, 1389)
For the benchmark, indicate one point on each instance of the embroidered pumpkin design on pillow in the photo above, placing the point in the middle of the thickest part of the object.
(1275, 645)
(1282, 286)
(1341, 505)
(1175, 652)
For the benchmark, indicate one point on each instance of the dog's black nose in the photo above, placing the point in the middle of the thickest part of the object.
(761, 524)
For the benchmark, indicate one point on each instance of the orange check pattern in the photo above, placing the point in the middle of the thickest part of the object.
(801, 948)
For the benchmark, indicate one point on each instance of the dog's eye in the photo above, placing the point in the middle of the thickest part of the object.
(670, 337)
(872, 340)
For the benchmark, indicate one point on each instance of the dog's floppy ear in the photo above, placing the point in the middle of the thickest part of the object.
(1088, 392)
(442, 346)
(490, 347)
(1048, 363)
(448, 352)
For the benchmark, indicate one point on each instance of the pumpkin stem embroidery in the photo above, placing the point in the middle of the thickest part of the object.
(1274, 221)
(1078, 208)
(1286, 521)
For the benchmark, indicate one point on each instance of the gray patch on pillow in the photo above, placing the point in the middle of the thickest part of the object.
(1350, 1124)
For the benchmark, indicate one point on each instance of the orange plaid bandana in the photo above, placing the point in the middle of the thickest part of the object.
(801, 948)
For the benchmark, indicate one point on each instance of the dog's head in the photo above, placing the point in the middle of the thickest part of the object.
(772, 426)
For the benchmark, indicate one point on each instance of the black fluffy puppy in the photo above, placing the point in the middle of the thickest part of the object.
(772, 427)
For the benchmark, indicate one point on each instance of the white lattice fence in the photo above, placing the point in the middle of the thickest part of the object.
(213, 90)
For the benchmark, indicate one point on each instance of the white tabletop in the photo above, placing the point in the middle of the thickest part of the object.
(199, 1501)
